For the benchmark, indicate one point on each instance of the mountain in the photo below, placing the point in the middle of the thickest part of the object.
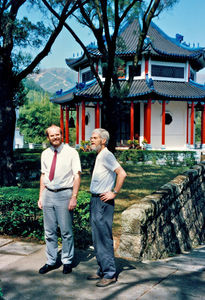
(54, 79)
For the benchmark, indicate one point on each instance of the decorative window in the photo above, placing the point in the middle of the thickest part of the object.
(87, 76)
(167, 71)
(135, 71)
(168, 118)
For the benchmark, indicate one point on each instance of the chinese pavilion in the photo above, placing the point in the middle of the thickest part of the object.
(162, 100)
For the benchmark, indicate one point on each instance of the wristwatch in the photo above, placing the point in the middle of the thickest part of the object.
(114, 191)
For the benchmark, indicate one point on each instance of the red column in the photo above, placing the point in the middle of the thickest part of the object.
(97, 115)
(83, 121)
(192, 125)
(203, 126)
(67, 125)
(62, 122)
(148, 122)
(146, 67)
(187, 125)
(188, 72)
(132, 121)
(145, 121)
(77, 124)
(163, 123)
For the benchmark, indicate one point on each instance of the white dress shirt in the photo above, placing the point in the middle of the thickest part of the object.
(67, 165)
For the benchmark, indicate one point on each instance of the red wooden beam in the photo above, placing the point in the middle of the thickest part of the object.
(132, 121)
(163, 123)
(77, 124)
(67, 125)
(62, 122)
(83, 121)
(187, 125)
(97, 115)
(192, 124)
(203, 126)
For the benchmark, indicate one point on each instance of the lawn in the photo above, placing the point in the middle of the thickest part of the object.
(141, 180)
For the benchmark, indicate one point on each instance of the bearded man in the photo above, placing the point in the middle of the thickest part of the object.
(107, 179)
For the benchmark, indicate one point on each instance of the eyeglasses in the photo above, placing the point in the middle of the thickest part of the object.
(94, 138)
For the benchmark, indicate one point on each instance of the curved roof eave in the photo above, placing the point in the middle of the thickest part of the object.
(140, 88)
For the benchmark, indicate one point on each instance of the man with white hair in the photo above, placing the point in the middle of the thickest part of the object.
(107, 179)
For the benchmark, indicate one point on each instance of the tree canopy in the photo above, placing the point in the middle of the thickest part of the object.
(24, 42)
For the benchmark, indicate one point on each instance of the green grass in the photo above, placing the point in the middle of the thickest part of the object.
(141, 180)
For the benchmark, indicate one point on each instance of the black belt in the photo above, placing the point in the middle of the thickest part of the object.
(95, 195)
(59, 190)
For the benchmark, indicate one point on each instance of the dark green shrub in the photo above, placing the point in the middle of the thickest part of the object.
(20, 215)
(87, 160)
(170, 158)
(81, 221)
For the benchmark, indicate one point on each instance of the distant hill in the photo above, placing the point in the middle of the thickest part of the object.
(54, 79)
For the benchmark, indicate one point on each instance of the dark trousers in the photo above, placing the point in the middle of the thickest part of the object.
(101, 216)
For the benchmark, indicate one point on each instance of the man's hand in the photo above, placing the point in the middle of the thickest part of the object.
(72, 204)
(40, 205)
(107, 196)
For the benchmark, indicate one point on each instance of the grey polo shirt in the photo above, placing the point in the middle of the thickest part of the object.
(103, 177)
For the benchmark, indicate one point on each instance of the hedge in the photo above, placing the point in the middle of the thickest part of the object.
(185, 158)
(28, 165)
(20, 215)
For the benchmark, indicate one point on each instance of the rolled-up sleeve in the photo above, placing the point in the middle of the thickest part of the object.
(76, 165)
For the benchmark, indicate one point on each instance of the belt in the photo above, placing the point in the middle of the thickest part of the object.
(59, 190)
(95, 195)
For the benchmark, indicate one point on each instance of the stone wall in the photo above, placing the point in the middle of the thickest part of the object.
(169, 221)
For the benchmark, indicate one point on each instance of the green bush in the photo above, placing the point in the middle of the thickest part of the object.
(87, 160)
(171, 158)
(28, 164)
(81, 221)
(20, 215)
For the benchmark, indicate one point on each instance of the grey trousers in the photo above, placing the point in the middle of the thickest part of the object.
(101, 217)
(55, 212)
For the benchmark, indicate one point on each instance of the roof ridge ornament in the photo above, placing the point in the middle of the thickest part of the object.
(150, 82)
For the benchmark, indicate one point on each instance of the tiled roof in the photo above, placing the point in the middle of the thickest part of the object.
(159, 42)
(156, 43)
(163, 44)
(140, 89)
(179, 90)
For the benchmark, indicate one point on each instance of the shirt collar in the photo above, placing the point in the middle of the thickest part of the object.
(103, 150)
(57, 149)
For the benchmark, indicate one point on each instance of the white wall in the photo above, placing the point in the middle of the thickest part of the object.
(175, 133)
(90, 111)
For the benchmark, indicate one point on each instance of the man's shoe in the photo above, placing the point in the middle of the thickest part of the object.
(93, 277)
(105, 282)
(46, 268)
(67, 268)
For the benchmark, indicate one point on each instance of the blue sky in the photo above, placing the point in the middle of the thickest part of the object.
(187, 18)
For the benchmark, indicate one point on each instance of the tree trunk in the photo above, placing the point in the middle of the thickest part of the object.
(7, 128)
(110, 117)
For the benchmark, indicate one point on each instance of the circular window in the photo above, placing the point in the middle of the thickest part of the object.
(168, 118)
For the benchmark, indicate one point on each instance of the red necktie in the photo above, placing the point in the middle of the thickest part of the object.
(53, 166)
